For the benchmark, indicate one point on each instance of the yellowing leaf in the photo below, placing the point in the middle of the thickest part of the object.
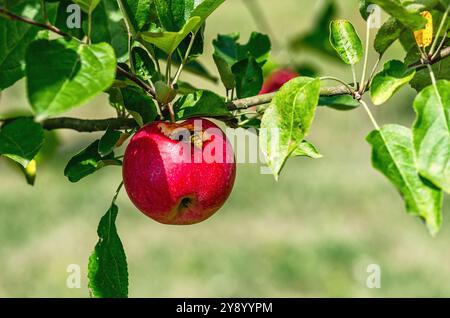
(424, 37)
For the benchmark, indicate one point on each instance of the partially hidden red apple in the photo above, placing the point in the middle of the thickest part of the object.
(179, 173)
(277, 79)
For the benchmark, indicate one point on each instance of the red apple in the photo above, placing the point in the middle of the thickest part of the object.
(277, 79)
(179, 173)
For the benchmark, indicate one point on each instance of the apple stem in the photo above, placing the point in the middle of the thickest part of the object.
(171, 112)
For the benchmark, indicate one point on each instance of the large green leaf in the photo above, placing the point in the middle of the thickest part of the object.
(407, 15)
(64, 74)
(287, 120)
(15, 36)
(20, 140)
(87, 5)
(108, 269)
(385, 84)
(87, 162)
(346, 42)
(201, 104)
(432, 134)
(393, 155)
(168, 41)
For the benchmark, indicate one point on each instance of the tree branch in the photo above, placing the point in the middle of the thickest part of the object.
(88, 125)
(91, 125)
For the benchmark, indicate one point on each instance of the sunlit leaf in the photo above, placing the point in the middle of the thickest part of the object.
(393, 155)
(346, 42)
(432, 134)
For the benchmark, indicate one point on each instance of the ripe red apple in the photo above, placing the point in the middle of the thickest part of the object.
(277, 79)
(179, 173)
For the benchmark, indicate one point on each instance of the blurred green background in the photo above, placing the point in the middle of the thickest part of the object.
(311, 234)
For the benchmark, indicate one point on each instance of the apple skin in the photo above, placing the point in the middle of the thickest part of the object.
(277, 79)
(174, 191)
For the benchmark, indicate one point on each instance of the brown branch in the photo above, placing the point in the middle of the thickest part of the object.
(47, 26)
(88, 125)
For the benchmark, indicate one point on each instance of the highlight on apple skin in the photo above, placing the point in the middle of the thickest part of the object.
(276, 79)
(179, 173)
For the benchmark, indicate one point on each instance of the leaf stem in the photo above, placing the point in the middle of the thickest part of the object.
(185, 59)
(116, 194)
(89, 28)
(168, 69)
(372, 118)
(366, 55)
(355, 83)
(372, 74)
(441, 26)
(432, 76)
(441, 44)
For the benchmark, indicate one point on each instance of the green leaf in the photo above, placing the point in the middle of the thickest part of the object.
(136, 102)
(306, 149)
(228, 48)
(346, 42)
(389, 32)
(21, 139)
(339, 102)
(201, 104)
(109, 27)
(87, 6)
(385, 84)
(287, 120)
(108, 269)
(15, 36)
(393, 155)
(168, 41)
(249, 77)
(108, 142)
(138, 12)
(431, 133)
(228, 53)
(408, 16)
(64, 74)
(144, 66)
(87, 162)
(225, 72)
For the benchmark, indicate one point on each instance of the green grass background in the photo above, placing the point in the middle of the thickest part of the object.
(311, 234)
